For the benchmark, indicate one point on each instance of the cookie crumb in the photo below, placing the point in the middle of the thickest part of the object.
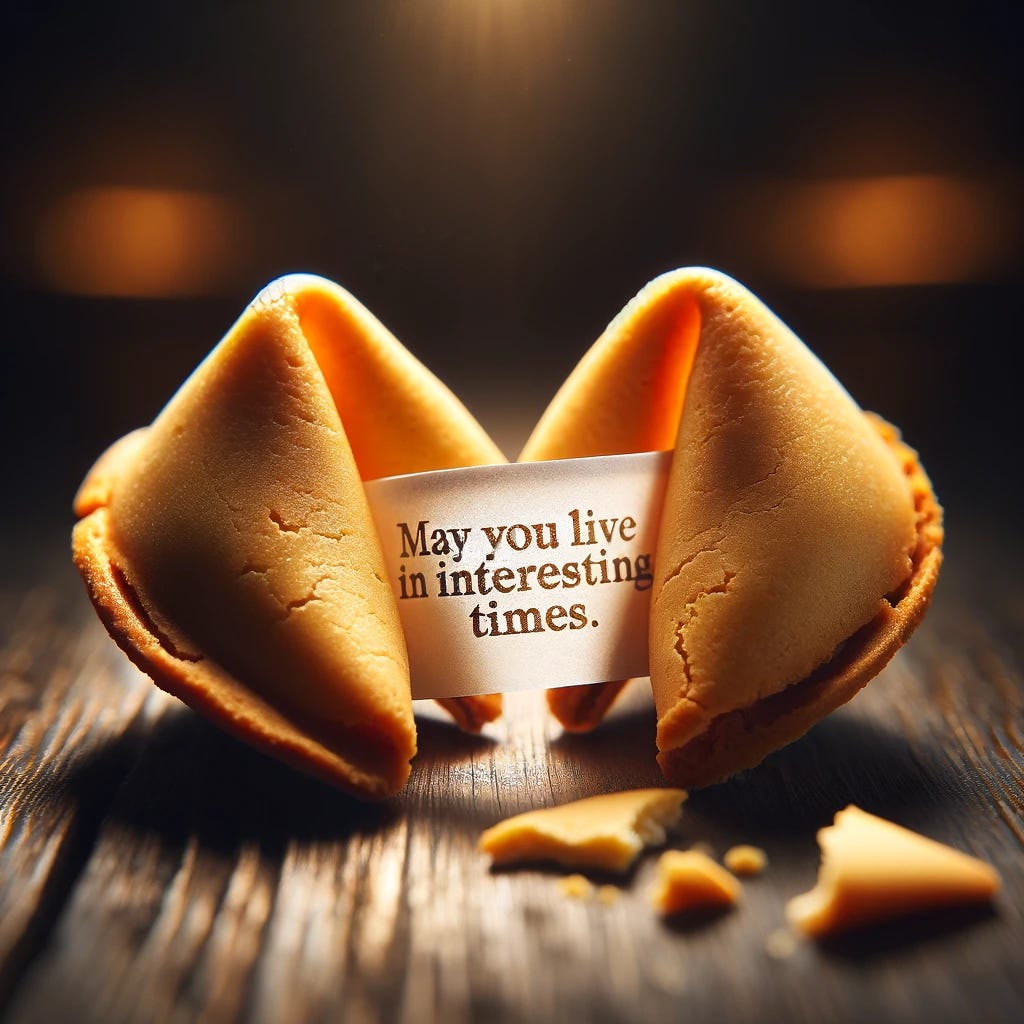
(781, 944)
(745, 860)
(576, 887)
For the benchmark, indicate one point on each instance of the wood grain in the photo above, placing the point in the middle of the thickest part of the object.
(154, 869)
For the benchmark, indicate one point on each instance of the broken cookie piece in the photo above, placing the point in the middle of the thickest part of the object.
(799, 541)
(229, 548)
(602, 832)
(872, 870)
(691, 880)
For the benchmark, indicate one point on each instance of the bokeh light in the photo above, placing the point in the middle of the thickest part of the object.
(138, 242)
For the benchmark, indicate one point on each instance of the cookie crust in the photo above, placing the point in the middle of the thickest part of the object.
(743, 737)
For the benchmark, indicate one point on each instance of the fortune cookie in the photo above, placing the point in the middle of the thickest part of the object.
(229, 548)
(799, 541)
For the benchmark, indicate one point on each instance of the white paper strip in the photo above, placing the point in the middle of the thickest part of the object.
(523, 576)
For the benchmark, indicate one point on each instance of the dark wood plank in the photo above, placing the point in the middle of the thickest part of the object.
(65, 699)
(220, 886)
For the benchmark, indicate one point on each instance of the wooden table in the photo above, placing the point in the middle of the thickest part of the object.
(154, 869)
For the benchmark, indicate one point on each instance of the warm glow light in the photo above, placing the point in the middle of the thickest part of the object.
(898, 230)
(137, 242)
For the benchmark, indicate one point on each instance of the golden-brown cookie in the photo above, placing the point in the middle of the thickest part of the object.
(229, 548)
(800, 539)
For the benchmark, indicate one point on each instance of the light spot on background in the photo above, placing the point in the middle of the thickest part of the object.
(138, 242)
(892, 230)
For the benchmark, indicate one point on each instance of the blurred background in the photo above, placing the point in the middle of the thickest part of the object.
(495, 179)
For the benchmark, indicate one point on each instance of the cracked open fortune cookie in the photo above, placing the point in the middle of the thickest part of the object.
(230, 551)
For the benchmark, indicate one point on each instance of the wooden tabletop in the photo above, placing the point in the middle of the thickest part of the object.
(152, 868)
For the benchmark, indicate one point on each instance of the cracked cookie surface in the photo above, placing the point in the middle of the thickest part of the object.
(230, 550)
